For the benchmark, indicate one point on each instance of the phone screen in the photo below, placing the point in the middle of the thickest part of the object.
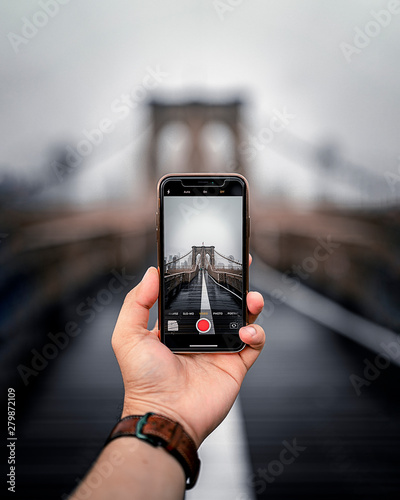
(203, 247)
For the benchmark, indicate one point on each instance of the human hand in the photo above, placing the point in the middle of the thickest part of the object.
(197, 390)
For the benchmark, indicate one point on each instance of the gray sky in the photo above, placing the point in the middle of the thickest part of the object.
(279, 54)
(213, 220)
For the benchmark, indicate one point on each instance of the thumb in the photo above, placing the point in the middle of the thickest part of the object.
(134, 314)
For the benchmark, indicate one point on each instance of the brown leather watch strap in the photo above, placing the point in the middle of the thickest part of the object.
(162, 431)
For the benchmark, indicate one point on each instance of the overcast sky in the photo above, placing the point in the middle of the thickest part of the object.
(214, 221)
(72, 72)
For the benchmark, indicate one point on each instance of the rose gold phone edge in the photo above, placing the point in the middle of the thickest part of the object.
(246, 220)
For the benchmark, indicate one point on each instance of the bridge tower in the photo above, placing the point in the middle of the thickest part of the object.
(195, 115)
(203, 251)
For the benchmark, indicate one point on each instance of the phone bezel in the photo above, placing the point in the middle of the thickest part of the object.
(226, 342)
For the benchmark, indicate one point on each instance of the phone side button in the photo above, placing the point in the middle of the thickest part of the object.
(157, 223)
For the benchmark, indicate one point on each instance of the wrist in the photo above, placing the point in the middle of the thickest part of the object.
(135, 407)
(161, 431)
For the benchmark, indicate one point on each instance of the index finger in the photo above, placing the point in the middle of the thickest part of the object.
(255, 304)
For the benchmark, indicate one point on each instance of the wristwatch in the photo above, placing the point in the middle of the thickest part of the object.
(158, 430)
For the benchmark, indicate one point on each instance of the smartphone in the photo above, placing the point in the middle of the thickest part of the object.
(203, 226)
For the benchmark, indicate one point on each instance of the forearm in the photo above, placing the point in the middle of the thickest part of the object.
(131, 469)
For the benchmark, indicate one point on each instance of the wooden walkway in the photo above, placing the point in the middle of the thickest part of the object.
(297, 395)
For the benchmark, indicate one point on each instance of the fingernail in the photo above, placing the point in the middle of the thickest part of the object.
(250, 330)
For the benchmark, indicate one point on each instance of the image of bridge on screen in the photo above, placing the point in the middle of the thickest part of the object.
(203, 288)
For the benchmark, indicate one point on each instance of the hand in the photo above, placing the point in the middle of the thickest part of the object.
(196, 390)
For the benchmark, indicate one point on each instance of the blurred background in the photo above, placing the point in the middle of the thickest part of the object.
(98, 100)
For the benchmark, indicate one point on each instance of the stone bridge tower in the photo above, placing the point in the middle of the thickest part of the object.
(195, 115)
(203, 251)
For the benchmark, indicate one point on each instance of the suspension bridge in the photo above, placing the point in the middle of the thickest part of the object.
(54, 261)
(203, 288)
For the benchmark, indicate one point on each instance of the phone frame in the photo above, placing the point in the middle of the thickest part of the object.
(233, 342)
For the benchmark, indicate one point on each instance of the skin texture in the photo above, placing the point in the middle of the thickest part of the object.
(196, 390)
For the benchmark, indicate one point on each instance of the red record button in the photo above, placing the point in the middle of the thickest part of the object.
(203, 325)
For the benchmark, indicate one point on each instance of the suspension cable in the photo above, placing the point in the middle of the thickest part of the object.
(227, 258)
(190, 251)
(176, 260)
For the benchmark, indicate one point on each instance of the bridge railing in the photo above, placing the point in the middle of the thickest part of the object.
(231, 279)
(175, 280)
